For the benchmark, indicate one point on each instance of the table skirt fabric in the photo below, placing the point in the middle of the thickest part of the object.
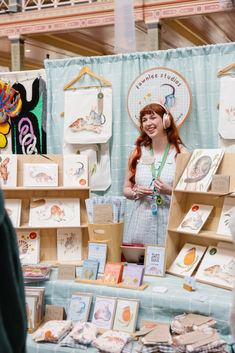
(153, 305)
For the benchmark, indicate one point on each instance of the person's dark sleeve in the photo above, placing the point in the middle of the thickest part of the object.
(13, 320)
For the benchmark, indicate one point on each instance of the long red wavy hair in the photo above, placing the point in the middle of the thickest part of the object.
(145, 140)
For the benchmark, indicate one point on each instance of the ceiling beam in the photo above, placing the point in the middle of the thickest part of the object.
(61, 43)
(186, 32)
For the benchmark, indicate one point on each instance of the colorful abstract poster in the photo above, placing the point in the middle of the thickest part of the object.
(217, 267)
(90, 121)
(195, 218)
(29, 129)
(201, 167)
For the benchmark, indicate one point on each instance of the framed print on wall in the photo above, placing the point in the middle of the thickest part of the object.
(126, 315)
(79, 307)
(154, 260)
(104, 311)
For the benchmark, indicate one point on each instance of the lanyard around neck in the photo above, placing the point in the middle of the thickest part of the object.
(162, 162)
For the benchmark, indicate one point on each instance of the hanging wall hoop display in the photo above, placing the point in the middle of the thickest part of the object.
(162, 85)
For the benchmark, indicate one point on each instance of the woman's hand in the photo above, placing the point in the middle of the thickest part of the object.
(140, 191)
(161, 187)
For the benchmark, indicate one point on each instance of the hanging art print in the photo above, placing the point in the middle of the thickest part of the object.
(27, 133)
(88, 115)
(10, 107)
(29, 130)
(161, 85)
(227, 108)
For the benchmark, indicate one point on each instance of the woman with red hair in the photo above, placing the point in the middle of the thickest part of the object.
(150, 175)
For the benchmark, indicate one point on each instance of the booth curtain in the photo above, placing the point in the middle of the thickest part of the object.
(199, 67)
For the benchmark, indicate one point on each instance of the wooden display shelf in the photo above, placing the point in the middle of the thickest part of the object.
(119, 285)
(203, 234)
(48, 235)
(182, 201)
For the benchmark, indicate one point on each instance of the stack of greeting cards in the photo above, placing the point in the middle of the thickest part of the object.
(90, 269)
(113, 272)
(98, 251)
(201, 167)
(13, 208)
(69, 244)
(133, 275)
(34, 298)
(29, 246)
(33, 273)
(75, 170)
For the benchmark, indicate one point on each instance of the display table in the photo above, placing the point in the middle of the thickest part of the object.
(153, 306)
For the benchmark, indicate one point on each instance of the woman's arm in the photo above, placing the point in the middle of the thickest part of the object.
(136, 191)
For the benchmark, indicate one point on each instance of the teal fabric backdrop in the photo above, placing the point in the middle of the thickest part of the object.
(198, 65)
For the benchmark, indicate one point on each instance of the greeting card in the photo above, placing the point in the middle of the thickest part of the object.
(8, 170)
(217, 267)
(13, 208)
(195, 218)
(201, 167)
(90, 269)
(69, 244)
(98, 251)
(104, 311)
(126, 315)
(225, 217)
(113, 272)
(187, 260)
(154, 260)
(133, 275)
(29, 246)
(79, 307)
(56, 212)
(75, 170)
(40, 174)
